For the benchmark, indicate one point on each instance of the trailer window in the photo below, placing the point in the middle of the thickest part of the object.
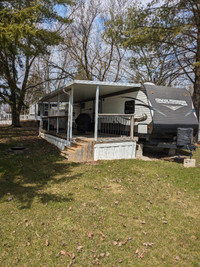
(129, 107)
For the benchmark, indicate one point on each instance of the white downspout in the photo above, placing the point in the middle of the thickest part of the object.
(58, 113)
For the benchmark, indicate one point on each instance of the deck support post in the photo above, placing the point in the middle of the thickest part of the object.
(41, 115)
(70, 116)
(72, 103)
(132, 127)
(58, 113)
(48, 116)
(96, 114)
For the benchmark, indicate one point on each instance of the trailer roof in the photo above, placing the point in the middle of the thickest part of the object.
(85, 90)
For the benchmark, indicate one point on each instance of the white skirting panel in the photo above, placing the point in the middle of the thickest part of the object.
(59, 142)
(118, 150)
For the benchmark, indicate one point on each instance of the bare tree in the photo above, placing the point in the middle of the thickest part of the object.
(97, 58)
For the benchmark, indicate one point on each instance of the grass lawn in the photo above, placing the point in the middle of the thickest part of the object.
(111, 213)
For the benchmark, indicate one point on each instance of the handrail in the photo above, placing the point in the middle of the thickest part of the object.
(117, 115)
(56, 116)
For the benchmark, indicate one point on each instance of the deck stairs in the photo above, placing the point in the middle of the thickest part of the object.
(80, 150)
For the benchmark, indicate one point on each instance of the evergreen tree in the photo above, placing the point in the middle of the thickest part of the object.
(25, 34)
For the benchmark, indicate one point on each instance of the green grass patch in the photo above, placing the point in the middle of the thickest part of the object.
(111, 213)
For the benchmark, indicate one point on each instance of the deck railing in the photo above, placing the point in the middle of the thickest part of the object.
(115, 125)
(24, 117)
(4, 117)
(54, 124)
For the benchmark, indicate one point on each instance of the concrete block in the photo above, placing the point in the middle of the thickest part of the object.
(139, 151)
(188, 163)
(140, 147)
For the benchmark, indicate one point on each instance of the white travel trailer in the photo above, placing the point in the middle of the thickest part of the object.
(163, 116)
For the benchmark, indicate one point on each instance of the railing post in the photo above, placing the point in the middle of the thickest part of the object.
(41, 115)
(96, 114)
(132, 127)
(48, 116)
(58, 113)
(72, 103)
(70, 116)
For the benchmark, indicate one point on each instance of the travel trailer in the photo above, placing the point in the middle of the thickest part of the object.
(107, 111)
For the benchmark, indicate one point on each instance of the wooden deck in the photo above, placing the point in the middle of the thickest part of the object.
(89, 136)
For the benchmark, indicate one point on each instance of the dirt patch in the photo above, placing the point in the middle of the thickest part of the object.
(115, 188)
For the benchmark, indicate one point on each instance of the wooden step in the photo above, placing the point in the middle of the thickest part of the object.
(71, 149)
(65, 155)
(77, 145)
(81, 140)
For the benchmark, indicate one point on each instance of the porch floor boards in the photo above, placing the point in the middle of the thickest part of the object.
(90, 137)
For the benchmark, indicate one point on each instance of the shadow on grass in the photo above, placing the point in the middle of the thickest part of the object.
(27, 176)
(163, 154)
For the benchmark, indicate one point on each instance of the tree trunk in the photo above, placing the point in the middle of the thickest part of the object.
(15, 117)
(196, 95)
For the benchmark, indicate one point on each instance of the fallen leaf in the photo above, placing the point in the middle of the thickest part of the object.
(102, 236)
(79, 248)
(58, 255)
(177, 258)
(95, 187)
(47, 243)
(107, 254)
(148, 244)
(143, 222)
(71, 255)
(63, 252)
(70, 208)
(90, 235)
(28, 243)
(115, 243)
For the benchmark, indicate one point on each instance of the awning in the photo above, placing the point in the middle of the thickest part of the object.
(86, 90)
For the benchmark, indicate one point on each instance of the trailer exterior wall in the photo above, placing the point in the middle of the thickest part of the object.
(172, 108)
(116, 104)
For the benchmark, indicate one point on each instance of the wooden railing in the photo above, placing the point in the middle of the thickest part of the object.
(115, 125)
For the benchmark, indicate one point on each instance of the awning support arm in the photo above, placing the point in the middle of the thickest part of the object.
(96, 114)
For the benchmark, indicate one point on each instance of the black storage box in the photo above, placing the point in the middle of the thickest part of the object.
(184, 136)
